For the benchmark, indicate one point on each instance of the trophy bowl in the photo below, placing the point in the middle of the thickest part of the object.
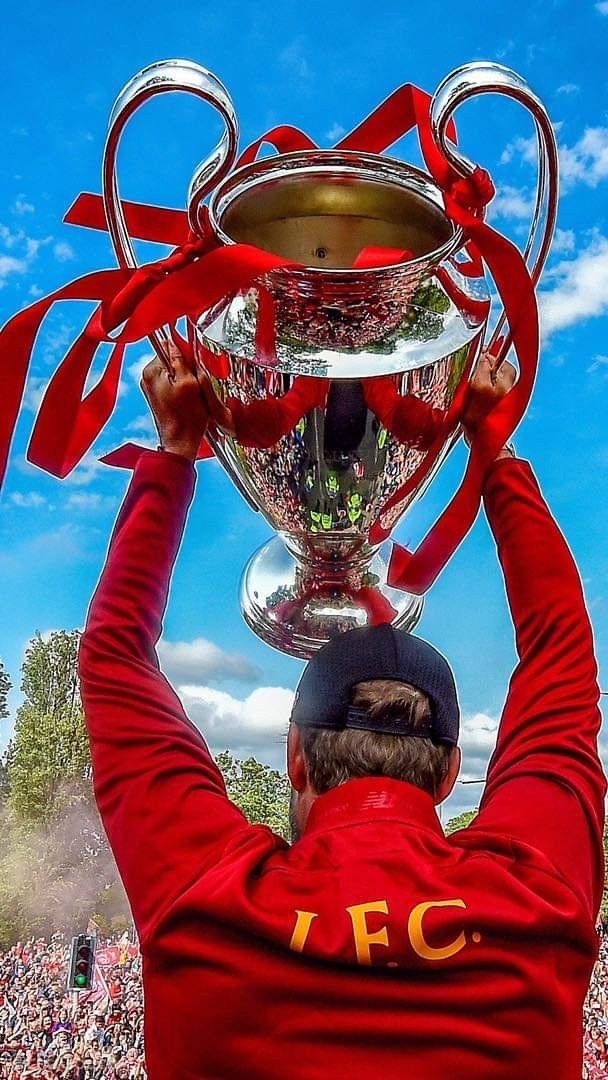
(340, 381)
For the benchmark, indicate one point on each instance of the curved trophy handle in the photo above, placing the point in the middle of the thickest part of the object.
(159, 78)
(480, 78)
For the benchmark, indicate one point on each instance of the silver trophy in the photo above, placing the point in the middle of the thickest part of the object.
(338, 426)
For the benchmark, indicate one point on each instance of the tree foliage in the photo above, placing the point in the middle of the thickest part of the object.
(5, 688)
(47, 753)
(50, 673)
(50, 746)
(56, 869)
(460, 822)
(261, 793)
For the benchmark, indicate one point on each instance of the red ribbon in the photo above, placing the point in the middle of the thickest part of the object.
(17, 342)
(159, 223)
(198, 275)
(285, 140)
(416, 571)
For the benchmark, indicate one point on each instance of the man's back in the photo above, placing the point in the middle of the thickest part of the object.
(374, 946)
(262, 968)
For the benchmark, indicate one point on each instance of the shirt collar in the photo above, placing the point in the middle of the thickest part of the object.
(370, 799)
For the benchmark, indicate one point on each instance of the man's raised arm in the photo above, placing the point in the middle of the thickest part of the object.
(161, 797)
(545, 782)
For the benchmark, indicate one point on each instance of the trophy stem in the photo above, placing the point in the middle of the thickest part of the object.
(296, 604)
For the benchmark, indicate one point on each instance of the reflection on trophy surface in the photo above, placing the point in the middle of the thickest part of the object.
(391, 348)
(339, 382)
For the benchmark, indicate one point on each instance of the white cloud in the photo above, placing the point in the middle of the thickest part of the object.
(135, 370)
(477, 740)
(143, 424)
(512, 202)
(335, 133)
(33, 245)
(35, 291)
(23, 247)
(22, 206)
(63, 251)
(586, 161)
(579, 290)
(86, 471)
(34, 393)
(600, 363)
(201, 660)
(87, 501)
(10, 265)
(27, 500)
(505, 49)
(254, 726)
(563, 241)
(522, 149)
(57, 341)
(19, 252)
(293, 60)
(9, 238)
(568, 88)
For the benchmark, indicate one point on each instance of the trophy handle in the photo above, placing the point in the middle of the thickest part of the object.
(160, 78)
(481, 78)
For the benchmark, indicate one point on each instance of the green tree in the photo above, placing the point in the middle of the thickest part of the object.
(50, 748)
(5, 688)
(261, 793)
(5, 785)
(47, 753)
(461, 821)
(50, 673)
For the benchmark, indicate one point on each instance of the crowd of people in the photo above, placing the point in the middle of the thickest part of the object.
(47, 1032)
(596, 1018)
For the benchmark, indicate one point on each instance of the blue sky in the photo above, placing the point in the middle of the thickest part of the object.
(322, 67)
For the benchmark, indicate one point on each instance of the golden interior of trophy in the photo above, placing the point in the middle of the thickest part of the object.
(325, 221)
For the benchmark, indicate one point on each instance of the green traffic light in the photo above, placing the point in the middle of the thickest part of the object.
(81, 980)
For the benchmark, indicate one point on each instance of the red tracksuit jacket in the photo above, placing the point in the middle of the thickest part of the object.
(375, 947)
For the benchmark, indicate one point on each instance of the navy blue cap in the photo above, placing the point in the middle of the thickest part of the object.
(323, 697)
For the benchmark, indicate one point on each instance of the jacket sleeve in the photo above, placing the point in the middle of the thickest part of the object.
(545, 782)
(161, 797)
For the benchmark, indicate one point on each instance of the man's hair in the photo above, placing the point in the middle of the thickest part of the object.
(333, 757)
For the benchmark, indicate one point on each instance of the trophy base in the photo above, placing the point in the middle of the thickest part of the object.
(297, 606)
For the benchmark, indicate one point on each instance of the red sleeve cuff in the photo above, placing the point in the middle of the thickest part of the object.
(501, 469)
(164, 462)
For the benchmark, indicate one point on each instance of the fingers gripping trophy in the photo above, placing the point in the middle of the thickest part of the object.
(337, 305)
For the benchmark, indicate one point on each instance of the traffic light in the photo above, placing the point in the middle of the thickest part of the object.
(82, 962)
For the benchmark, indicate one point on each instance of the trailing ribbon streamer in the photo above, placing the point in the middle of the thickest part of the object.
(416, 571)
(158, 223)
(19, 335)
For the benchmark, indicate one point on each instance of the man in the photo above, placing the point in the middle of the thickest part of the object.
(374, 946)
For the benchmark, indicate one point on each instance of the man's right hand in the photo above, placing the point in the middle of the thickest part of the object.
(488, 386)
(177, 399)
